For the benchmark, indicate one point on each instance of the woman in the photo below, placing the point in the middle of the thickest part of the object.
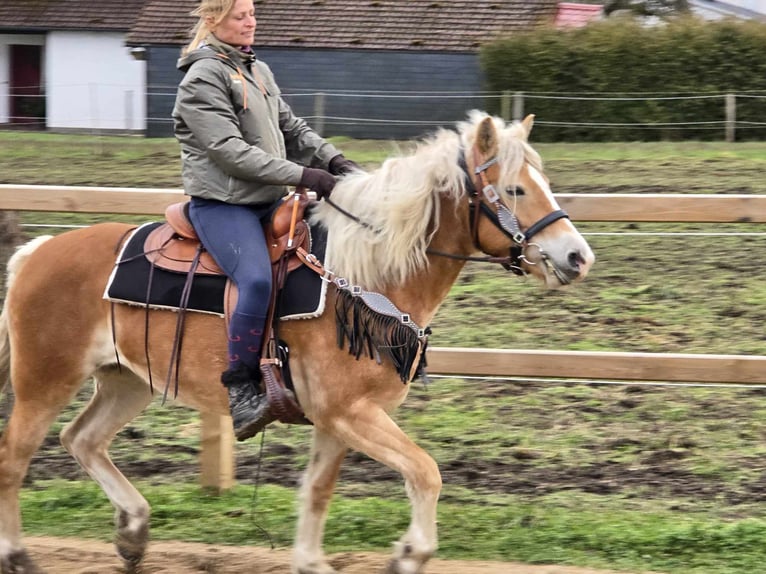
(241, 147)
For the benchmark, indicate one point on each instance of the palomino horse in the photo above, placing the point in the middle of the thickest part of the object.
(403, 231)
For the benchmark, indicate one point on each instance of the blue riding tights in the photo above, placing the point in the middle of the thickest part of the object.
(233, 235)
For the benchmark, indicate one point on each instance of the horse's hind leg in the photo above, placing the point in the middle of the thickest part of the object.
(370, 430)
(319, 480)
(32, 415)
(119, 396)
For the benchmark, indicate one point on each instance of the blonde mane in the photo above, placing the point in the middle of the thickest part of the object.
(399, 204)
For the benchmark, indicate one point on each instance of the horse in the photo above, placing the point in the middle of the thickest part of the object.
(402, 232)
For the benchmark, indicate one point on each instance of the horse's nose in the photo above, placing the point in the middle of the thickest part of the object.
(579, 261)
(575, 260)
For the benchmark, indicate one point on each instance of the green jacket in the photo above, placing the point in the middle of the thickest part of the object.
(240, 141)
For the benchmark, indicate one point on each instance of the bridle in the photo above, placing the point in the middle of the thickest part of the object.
(502, 218)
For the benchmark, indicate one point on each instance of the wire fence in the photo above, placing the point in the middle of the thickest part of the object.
(394, 114)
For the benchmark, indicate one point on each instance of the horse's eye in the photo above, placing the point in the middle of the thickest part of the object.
(514, 190)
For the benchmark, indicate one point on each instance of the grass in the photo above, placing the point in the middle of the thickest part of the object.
(503, 527)
(623, 476)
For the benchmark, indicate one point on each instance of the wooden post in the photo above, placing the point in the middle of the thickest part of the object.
(319, 106)
(518, 106)
(505, 106)
(731, 117)
(216, 452)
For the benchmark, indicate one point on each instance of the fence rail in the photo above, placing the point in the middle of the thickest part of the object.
(216, 459)
(616, 207)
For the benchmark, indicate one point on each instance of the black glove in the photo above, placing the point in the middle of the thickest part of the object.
(317, 180)
(339, 165)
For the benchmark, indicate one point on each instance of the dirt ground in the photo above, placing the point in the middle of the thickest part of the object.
(76, 556)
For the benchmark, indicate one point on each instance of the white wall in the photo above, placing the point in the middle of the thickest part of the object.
(92, 82)
(5, 67)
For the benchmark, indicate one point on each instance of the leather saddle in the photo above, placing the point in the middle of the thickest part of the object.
(174, 245)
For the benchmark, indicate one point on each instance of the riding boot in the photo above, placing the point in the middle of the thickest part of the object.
(249, 405)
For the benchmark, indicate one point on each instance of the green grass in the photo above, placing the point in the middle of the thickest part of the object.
(628, 477)
(555, 528)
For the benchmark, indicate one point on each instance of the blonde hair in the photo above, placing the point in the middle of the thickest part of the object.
(215, 9)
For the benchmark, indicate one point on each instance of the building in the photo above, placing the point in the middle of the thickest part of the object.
(64, 65)
(375, 68)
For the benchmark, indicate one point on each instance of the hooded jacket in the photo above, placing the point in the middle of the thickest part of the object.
(240, 141)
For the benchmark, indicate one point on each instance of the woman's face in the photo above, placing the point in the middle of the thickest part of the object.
(238, 26)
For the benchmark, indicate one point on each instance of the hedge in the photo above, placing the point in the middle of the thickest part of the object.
(623, 58)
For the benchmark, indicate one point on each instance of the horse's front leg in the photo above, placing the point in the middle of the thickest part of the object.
(327, 454)
(370, 430)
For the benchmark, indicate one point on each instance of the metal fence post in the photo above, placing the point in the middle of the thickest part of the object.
(129, 110)
(319, 100)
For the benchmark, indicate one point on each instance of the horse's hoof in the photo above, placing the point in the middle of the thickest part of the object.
(131, 544)
(131, 551)
(403, 566)
(131, 555)
(313, 568)
(19, 562)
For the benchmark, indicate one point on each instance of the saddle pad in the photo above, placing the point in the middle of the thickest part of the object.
(303, 296)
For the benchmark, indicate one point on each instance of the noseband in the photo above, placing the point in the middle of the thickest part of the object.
(502, 218)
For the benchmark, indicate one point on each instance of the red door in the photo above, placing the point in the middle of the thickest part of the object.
(27, 98)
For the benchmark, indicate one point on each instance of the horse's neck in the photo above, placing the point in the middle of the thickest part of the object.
(423, 293)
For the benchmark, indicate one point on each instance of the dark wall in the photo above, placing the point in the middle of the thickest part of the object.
(358, 88)
(162, 80)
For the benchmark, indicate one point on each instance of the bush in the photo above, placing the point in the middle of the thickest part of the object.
(621, 58)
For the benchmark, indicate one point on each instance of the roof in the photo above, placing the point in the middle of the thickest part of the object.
(451, 25)
(572, 15)
(715, 9)
(40, 15)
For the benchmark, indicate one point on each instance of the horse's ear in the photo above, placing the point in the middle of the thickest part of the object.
(486, 138)
(527, 123)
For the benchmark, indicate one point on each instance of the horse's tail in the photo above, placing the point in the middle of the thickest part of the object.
(14, 264)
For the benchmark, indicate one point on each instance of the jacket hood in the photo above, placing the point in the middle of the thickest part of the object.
(208, 49)
(185, 61)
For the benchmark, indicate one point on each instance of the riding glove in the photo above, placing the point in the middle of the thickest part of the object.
(317, 180)
(340, 165)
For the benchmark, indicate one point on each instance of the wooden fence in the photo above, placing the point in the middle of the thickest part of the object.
(217, 459)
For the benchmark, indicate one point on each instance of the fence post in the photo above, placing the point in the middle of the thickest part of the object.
(731, 117)
(319, 113)
(518, 106)
(216, 457)
(505, 106)
(129, 110)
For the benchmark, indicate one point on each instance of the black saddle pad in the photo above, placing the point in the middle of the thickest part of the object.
(302, 297)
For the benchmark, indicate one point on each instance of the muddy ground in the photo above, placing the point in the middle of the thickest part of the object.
(73, 556)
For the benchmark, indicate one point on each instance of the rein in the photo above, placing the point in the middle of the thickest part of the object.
(351, 216)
